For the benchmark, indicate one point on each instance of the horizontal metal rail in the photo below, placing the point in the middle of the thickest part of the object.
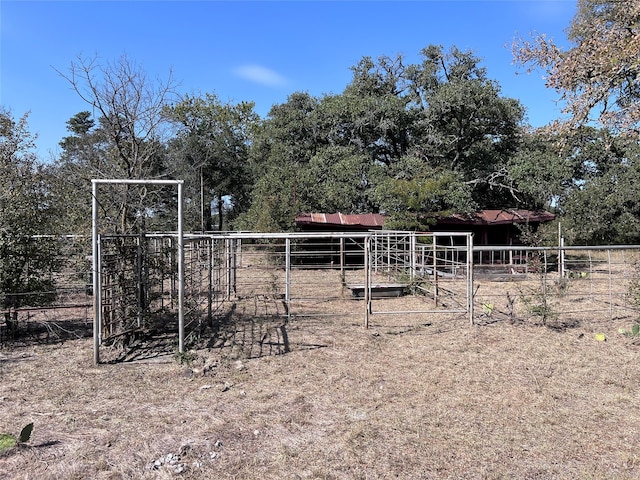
(497, 248)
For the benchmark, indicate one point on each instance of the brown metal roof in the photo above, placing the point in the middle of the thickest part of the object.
(376, 220)
(361, 220)
(499, 217)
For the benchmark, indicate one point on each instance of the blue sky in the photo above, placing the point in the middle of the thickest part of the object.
(256, 51)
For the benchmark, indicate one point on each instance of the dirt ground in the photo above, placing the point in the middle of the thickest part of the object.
(412, 397)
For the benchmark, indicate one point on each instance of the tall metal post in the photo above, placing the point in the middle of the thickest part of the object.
(139, 279)
(342, 257)
(470, 276)
(210, 266)
(561, 270)
(180, 273)
(97, 321)
(412, 246)
(436, 292)
(227, 264)
(367, 281)
(234, 264)
(287, 291)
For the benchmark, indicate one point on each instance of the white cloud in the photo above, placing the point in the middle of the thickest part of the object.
(548, 9)
(262, 75)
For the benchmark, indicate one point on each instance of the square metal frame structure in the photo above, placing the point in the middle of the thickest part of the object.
(97, 284)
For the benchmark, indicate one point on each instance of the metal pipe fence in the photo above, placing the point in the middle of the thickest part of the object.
(558, 285)
(273, 279)
(268, 281)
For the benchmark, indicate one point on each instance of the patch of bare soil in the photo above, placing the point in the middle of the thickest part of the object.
(413, 397)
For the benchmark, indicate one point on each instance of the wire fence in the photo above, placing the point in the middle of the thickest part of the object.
(557, 286)
(241, 291)
(46, 293)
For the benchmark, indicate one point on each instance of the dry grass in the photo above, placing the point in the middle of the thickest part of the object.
(413, 397)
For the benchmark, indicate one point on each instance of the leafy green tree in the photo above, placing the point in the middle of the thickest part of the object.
(274, 204)
(465, 125)
(414, 195)
(377, 118)
(434, 138)
(460, 135)
(282, 148)
(542, 174)
(335, 180)
(597, 78)
(603, 207)
(211, 153)
(83, 157)
(26, 265)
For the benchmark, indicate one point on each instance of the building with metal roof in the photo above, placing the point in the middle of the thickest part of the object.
(339, 222)
(490, 227)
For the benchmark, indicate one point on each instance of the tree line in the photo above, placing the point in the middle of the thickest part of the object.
(414, 141)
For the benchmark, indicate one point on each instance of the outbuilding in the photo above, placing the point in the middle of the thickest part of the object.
(495, 227)
(489, 227)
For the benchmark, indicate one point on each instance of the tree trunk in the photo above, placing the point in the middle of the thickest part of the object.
(206, 213)
(220, 208)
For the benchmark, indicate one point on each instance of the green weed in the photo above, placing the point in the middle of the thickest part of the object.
(9, 441)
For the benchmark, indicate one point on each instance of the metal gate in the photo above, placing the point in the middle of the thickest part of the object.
(418, 273)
